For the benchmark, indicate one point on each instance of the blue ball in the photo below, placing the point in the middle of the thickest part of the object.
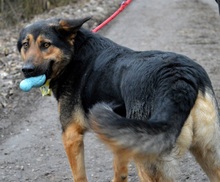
(28, 83)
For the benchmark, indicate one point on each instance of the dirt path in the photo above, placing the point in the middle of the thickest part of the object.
(34, 152)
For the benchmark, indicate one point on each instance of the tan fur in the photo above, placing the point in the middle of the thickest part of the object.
(121, 160)
(29, 40)
(64, 25)
(40, 57)
(74, 146)
(206, 146)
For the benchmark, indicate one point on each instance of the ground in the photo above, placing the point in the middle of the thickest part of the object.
(31, 147)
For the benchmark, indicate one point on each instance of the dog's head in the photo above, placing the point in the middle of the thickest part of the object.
(46, 46)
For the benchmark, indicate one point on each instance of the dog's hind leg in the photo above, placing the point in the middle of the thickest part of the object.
(155, 168)
(74, 147)
(121, 160)
(206, 135)
(165, 168)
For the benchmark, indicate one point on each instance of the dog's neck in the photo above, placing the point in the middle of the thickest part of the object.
(88, 43)
(87, 47)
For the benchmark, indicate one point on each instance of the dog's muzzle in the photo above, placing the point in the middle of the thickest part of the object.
(28, 69)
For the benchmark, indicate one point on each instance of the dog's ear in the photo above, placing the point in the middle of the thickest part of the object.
(72, 25)
(69, 28)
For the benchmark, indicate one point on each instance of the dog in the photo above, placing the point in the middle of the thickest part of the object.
(150, 107)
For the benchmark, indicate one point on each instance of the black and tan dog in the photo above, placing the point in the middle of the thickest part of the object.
(150, 107)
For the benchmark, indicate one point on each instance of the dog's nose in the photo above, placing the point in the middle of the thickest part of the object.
(28, 68)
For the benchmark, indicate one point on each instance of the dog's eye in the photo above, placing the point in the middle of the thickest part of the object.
(25, 45)
(46, 44)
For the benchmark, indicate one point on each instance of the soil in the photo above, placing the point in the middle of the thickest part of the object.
(31, 147)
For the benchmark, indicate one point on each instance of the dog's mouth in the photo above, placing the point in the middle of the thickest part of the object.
(30, 70)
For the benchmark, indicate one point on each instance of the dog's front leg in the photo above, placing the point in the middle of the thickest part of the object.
(73, 144)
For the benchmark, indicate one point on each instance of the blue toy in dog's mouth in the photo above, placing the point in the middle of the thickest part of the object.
(33, 82)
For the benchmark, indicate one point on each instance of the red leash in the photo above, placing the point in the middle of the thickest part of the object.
(120, 9)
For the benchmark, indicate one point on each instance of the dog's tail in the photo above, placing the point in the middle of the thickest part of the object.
(156, 135)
